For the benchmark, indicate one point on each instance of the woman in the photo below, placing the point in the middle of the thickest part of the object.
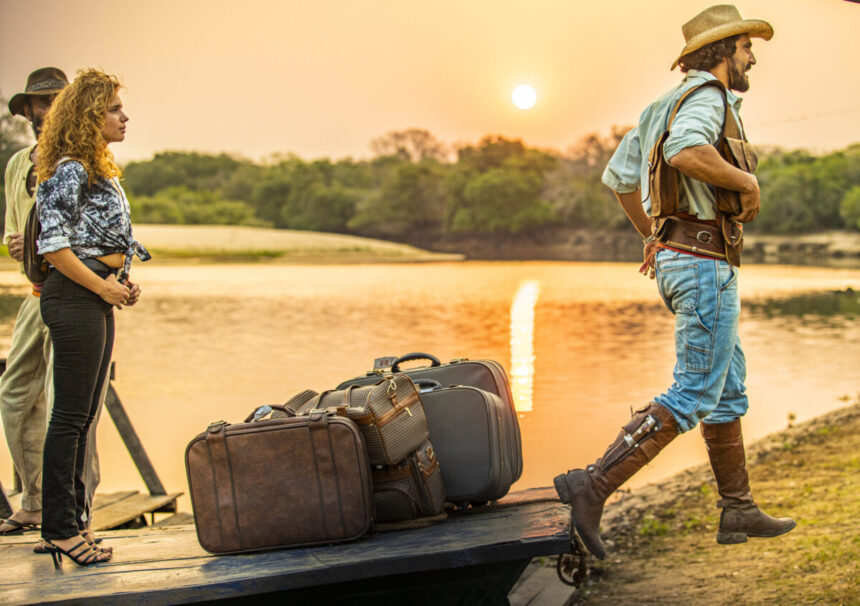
(87, 239)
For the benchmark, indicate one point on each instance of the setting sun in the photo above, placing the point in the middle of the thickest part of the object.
(524, 96)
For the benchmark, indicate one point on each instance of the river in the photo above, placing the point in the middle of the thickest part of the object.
(583, 342)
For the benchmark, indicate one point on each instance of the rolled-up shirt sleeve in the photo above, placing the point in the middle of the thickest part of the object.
(623, 172)
(58, 201)
(698, 122)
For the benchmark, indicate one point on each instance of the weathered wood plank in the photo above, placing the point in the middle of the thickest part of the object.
(101, 501)
(177, 519)
(130, 508)
(168, 565)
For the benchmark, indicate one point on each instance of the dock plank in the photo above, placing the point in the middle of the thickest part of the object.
(125, 510)
(160, 566)
(101, 501)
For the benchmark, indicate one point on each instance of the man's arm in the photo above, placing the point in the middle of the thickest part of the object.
(13, 236)
(704, 163)
(631, 203)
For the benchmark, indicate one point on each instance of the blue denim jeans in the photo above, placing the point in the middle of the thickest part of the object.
(710, 367)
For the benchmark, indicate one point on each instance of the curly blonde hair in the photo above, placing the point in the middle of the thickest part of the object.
(73, 127)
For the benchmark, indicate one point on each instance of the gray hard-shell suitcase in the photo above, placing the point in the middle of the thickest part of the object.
(472, 439)
(484, 375)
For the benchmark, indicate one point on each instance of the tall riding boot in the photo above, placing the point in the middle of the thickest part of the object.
(647, 432)
(741, 518)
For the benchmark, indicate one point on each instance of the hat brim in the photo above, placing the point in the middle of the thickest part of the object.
(16, 103)
(754, 27)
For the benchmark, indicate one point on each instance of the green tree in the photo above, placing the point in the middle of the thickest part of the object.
(496, 187)
(190, 207)
(410, 198)
(850, 208)
(502, 200)
(410, 145)
(574, 188)
(203, 172)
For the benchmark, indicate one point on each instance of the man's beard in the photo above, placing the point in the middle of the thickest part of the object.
(738, 79)
(37, 125)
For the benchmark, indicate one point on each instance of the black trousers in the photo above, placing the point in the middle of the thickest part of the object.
(82, 332)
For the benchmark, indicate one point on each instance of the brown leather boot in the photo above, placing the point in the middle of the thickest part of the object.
(647, 432)
(741, 518)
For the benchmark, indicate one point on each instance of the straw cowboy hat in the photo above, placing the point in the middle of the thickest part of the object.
(716, 23)
(45, 81)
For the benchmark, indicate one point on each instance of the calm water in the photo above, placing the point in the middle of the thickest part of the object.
(583, 342)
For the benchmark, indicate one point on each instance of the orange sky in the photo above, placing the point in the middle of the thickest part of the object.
(323, 77)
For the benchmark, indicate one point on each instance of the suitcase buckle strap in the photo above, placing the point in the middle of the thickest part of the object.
(216, 426)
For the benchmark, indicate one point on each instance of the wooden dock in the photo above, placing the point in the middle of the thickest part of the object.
(470, 558)
(122, 508)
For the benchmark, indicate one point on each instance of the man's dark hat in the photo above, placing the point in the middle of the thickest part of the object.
(45, 81)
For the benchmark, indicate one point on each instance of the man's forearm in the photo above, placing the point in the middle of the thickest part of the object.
(632, 205)
(704, 163)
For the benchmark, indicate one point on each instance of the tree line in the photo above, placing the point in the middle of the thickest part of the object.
(417, 188)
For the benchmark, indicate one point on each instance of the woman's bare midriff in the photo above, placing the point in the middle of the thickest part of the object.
(114, 260)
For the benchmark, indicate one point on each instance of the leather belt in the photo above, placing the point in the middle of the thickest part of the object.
(693, 236)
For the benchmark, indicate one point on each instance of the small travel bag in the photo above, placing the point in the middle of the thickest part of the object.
(411, 489)
(486, 375)
(276, 483)
(476, 446)
(389, 414)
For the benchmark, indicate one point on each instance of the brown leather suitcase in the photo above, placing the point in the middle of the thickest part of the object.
(278, 483)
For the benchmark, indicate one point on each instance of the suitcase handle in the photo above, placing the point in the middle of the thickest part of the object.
(434, 361)
(425, 385)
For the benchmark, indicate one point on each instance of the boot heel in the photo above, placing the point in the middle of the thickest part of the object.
(725, 537)
(560, 482)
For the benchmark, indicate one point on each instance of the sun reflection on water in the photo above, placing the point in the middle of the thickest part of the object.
(522, 344)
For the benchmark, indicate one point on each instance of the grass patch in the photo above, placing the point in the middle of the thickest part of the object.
(815, 481)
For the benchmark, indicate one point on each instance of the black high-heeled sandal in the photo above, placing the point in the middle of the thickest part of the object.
(94, 541)
(92, 556)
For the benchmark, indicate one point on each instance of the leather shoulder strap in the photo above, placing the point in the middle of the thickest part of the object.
(689, 92)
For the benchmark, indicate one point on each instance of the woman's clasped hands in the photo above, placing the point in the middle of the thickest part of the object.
(118, 294)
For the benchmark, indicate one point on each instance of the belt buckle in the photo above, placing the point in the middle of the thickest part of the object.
(705, 237)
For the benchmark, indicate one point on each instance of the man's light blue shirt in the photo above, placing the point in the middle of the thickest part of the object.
(698, 122)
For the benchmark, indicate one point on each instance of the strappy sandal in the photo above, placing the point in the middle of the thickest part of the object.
(86, 557)
(17, 527)
(42, 546)
(93, 541)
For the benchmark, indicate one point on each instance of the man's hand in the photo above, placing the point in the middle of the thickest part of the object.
(704, 163)
(649, 254)
(750, 199)
(16, 247)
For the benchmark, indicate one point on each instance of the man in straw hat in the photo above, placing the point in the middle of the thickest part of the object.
(26, 387)
(694, 277)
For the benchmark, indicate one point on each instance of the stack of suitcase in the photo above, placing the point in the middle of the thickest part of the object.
(372, 449)
(473, 424)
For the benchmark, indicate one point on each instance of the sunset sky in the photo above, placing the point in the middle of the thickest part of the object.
(322, 78)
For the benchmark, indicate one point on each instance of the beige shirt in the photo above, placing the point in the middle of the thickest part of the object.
(18, 201)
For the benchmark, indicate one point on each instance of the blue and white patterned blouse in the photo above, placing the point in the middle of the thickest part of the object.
(93, 220)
